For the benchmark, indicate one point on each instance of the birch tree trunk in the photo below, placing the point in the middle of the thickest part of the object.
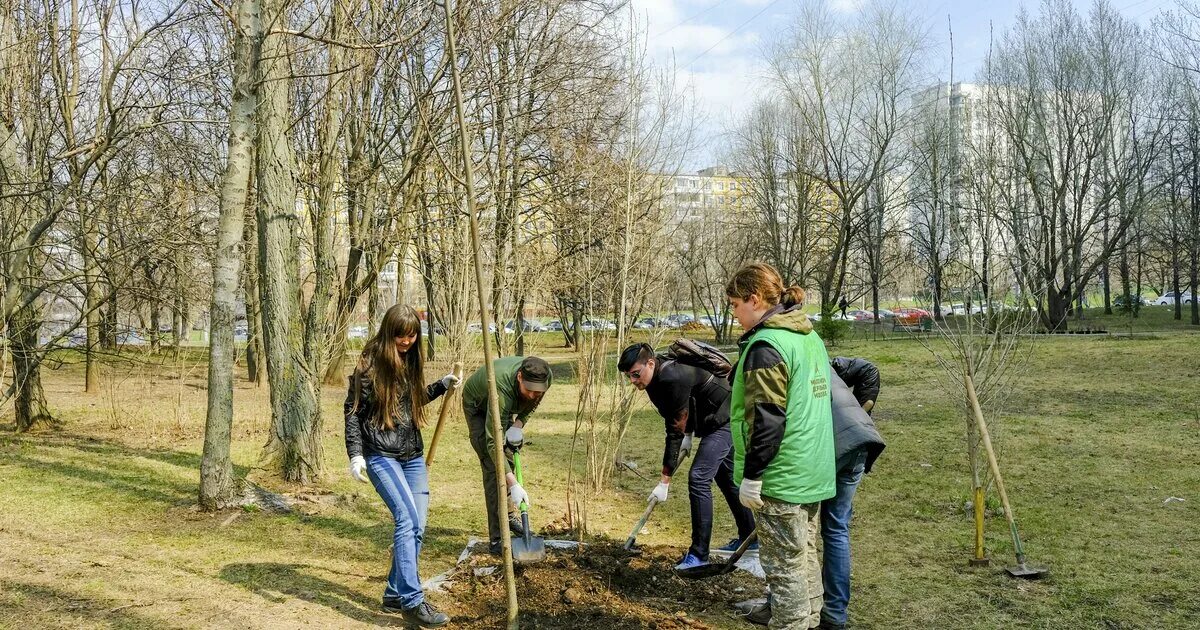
(217, 485)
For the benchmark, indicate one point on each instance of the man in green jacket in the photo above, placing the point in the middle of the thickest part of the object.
(782, 425)
(520, 384)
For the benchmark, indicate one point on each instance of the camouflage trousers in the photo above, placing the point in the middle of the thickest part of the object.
(787, 534)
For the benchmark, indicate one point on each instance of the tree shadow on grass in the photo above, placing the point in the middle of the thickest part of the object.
(277, 582)
(33, 602)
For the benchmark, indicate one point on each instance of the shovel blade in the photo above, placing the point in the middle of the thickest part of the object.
(1027, 572)
(705, 571)
(528, 551)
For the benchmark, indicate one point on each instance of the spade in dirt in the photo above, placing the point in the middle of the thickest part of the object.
(715, 569)
(528, 548)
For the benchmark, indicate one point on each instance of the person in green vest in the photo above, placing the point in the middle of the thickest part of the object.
(782, 425)
(520, 384)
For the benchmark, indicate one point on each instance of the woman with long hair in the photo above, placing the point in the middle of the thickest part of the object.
(384, 416)
(782, 425)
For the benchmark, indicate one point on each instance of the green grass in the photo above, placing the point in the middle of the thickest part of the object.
(98, 528)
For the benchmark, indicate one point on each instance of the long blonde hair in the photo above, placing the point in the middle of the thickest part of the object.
(391, 372)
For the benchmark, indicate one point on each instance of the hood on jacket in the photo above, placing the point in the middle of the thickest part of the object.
(785, 318)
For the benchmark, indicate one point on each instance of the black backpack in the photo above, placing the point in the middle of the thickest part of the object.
(699, 355)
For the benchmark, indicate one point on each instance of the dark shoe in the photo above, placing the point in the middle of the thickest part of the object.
(495, 548)
(830, 625)
(760, 615)
(733, 545)
(514, 527)
(423, 615)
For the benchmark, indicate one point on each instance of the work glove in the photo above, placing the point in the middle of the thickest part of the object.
(659, 492)
(750, 493)
(517, 496)
(358, 468)
(685, 449)
(450, 381)
(514, 436)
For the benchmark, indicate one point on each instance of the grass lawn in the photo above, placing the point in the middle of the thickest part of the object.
(98, 526)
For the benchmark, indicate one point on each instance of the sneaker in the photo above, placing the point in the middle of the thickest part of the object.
(424, 615)
(495, 548)
(733, 545)
(689, 561)
(827, 624)
(514, 527)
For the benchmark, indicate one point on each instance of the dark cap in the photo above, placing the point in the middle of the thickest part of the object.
(535, 374)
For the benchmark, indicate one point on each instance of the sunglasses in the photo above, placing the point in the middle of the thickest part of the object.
(634, 374)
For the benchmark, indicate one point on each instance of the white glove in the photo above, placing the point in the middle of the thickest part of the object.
(514, 436)
(750, 493)
(659, 492)
(517, 496)
(450, 381)
(358, 468)
(686, 447)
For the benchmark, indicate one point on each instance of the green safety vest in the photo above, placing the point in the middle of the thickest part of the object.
(803, 470)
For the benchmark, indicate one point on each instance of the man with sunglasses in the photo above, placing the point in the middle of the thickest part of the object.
(694, 403)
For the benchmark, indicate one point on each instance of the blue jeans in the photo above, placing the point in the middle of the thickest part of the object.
(835, 536)
(404, 487)
(713, 462)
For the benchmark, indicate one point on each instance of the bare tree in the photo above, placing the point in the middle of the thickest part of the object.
(1067, 126)
(850, 80)
(217, 487)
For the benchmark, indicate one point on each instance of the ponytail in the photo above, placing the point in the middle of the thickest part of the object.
(792, 296)
(763, 280)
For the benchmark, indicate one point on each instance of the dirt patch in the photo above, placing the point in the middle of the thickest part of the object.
(599, 587)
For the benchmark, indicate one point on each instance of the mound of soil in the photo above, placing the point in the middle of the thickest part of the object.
(600, 586)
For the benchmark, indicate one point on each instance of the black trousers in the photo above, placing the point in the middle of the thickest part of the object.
(713, 462)
(476, 426)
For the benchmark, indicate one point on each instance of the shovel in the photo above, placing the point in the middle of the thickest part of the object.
(637, 529)
(1021, 569)
(713, 570)
(526, 549)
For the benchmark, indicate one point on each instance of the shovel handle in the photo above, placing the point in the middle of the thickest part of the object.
(441, 421)
(641, 523)
(683, 454)
(520, 479)
(741, 550)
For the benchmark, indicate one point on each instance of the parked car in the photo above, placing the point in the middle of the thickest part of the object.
(860, 315)
(475, 328)
(1119, 301)
(359, 332)
(553, 325)
(906, 312)
(677, 320)
(527, 325)
(597, 324)
(961, 309)
(1168, 298)
(647, 323)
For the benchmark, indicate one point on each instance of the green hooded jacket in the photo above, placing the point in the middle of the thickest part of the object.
(780, 411)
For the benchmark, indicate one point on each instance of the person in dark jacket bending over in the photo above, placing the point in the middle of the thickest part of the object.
(384, 417)
(856, 443)
(693, 402)
(520, 383)
(854, 389)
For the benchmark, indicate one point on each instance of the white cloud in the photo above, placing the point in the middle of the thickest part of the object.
(723, 68)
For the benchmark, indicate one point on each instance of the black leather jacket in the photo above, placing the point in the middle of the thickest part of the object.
(402, 442)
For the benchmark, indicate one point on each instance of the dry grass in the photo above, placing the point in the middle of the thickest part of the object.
(98, 528)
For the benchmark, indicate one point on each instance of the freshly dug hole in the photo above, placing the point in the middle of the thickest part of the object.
(600, 587)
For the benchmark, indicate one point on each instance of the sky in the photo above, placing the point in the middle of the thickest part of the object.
(717, 47)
